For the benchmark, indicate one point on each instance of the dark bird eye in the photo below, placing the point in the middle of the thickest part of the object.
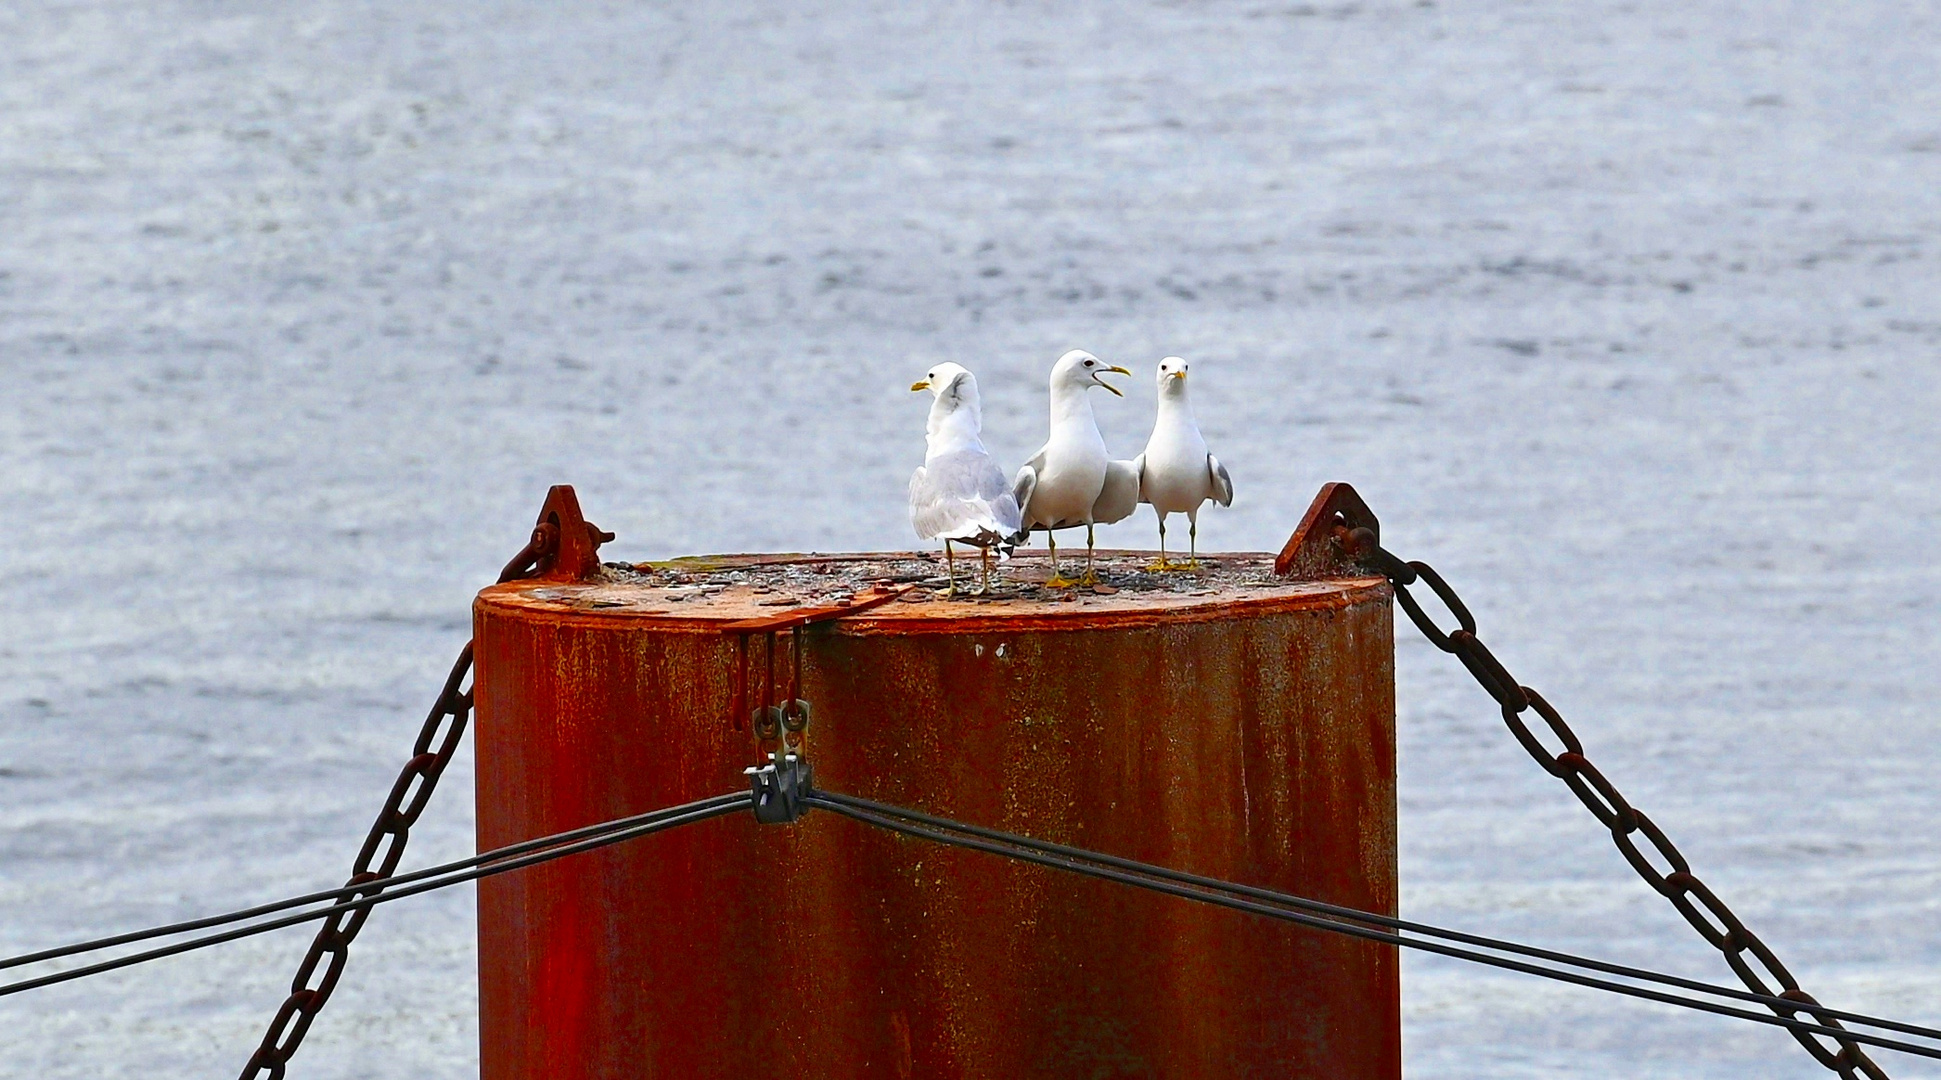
(1088, 363)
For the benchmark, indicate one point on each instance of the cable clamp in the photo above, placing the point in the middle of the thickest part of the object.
(781, 788)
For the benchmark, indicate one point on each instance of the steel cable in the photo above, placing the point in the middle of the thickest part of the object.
(348, 891)
(1261, 902)
(1339, 912)
(1311, 913)
(492, 863)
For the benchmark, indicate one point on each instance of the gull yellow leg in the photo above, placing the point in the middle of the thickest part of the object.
(1056, 580)
(950, 569)
(1162, 565)
(1089, 578)
(1193, 542)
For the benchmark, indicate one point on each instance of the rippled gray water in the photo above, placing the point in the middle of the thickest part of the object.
(1627, 316)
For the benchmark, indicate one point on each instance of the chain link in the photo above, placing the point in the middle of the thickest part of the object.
(1749, 957)
(444, 729)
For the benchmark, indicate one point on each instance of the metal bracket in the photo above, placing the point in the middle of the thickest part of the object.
(781, 788)
(564, 547)
(771, 720)
(1321, 546)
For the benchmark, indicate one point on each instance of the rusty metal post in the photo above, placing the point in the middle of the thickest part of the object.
(1246, 734)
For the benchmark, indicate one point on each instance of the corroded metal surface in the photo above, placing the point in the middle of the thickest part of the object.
(1316, 549)
(1243, 730)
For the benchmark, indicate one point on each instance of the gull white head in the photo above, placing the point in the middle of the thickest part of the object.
(953, 385)
(1172, 378)
(956, 413)
(1080, 370)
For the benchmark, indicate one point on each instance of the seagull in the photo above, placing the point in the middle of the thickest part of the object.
(959, 494)
(1062, 485)
(1177, 473)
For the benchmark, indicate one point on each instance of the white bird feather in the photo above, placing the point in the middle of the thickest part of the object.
(1062, 484)
(959, 493)
(1071, 481)
(1179, 473)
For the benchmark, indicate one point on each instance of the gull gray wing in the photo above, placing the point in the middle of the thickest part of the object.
(962, 496)
(919, 500)
(1120, 496)
(1006, 511)
(1222, 483)
(1026, 482)
(926, 511)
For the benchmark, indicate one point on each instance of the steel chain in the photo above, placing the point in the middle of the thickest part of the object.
(1748, 957)
(438, 740)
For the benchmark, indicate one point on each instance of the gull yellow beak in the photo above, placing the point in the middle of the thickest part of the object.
(1109, 386)
(1176, 375)
(920, 384)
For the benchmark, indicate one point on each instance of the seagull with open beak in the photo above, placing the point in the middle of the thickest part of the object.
(1061, 485)
(1177, 474)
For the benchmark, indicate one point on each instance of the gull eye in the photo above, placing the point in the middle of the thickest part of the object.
(1088, 363)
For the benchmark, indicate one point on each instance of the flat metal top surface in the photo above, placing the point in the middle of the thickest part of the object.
(898, 591)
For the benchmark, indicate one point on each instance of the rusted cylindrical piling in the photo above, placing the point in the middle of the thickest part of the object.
(1232, 724)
